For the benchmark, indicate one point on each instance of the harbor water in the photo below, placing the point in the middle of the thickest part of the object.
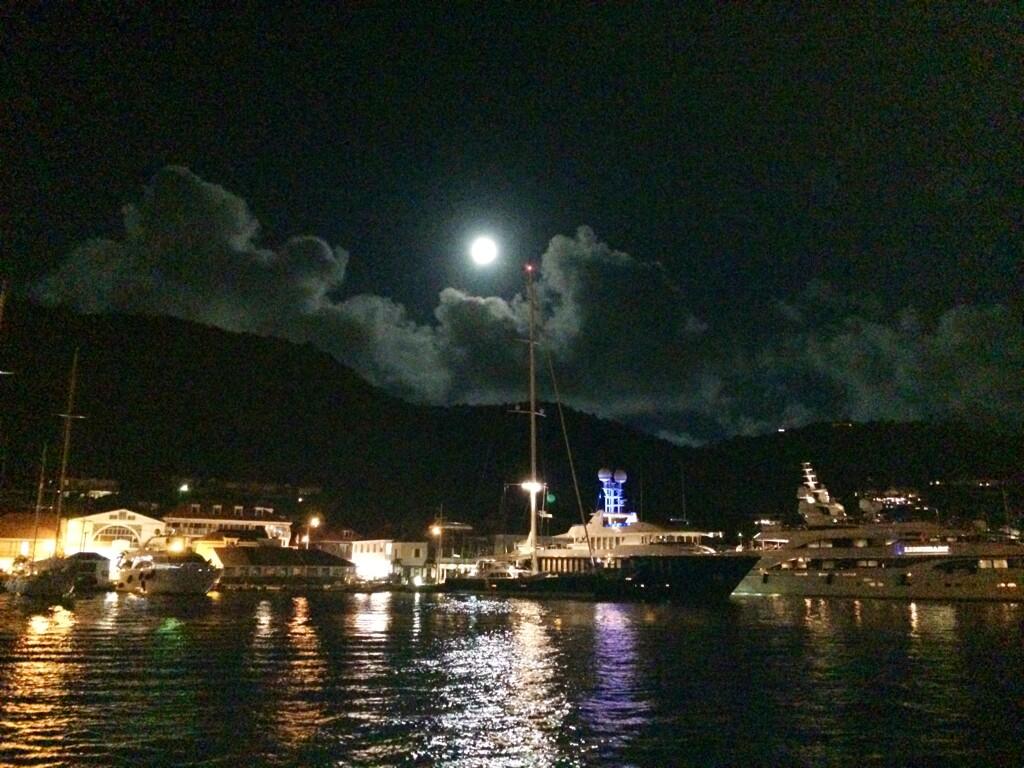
(247, 679)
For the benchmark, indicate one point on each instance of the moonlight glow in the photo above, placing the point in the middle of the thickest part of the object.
(483, 251)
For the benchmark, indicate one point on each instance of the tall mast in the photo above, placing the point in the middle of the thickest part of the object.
(68, 415)
(39, 502)
(533, 422)
(3, 301)
(682, 484)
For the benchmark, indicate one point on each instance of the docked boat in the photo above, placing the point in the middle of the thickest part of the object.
(646, 559)
(831, 556)
(57, 576)
(51, 578)
(616, 555)
(165, 567)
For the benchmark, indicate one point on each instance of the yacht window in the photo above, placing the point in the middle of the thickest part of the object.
(194, 508)
(238, 511)
(996, 563)
(217, 509)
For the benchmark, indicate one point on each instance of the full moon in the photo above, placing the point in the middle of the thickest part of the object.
(483, 251)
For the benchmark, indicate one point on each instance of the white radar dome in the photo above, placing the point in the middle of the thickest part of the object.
(604, 475)
(620, 475)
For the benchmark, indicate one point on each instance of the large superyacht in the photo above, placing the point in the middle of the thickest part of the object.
(829, 555)
(614, 554)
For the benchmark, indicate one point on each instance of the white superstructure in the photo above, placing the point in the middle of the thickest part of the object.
(165, 567)
(911, 560)
(613, 534)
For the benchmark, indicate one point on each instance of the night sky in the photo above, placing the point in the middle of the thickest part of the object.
(744, 217)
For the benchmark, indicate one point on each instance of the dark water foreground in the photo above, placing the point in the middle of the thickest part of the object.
(245, 680)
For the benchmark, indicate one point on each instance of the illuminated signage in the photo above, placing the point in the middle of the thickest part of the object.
(924, 549)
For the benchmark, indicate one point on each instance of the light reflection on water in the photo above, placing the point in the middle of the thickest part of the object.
(503, 694)
(615, 707)
(399, 679)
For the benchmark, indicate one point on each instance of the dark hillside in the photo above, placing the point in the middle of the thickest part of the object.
(167, 398)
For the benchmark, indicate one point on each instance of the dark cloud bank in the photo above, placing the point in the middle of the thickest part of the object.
(624, 343)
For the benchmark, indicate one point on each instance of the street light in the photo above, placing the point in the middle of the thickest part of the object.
(314, 522)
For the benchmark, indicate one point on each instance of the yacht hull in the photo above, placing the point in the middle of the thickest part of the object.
(934, 580)
(172, 580)
(45, 584)
(694, 578)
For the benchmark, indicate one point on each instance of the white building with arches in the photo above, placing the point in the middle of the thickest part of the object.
(108, 533)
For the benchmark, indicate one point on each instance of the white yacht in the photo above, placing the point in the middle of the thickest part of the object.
(613, 534)
(165, 567)
(832, 556)
(642, 559)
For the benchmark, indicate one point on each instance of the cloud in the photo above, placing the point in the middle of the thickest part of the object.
(622, 336)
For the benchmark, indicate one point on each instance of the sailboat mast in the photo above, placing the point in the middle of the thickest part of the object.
(533, 421)
(68, 415)
(682, 484)
(3, 301)
(39, 501)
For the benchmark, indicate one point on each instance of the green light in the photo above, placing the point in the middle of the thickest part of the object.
(551, 498)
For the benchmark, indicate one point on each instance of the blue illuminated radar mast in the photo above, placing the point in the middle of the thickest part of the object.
(614, 514)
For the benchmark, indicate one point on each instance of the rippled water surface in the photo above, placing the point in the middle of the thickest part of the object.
(402, 679)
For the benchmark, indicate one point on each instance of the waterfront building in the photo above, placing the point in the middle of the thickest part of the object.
(207, 544)
(196, 519)
(18, 531)
(88, 489)
(280, 567)
(387, 559)
(108, 533)
(334, 541)
(291, 501)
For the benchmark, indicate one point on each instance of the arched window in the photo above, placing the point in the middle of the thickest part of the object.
(114, 533)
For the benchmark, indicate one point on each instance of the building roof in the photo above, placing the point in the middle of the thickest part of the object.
(20, 525)
(330, 534)
(279, 556)
(108, 516)
(227, 533)
(226, 515)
